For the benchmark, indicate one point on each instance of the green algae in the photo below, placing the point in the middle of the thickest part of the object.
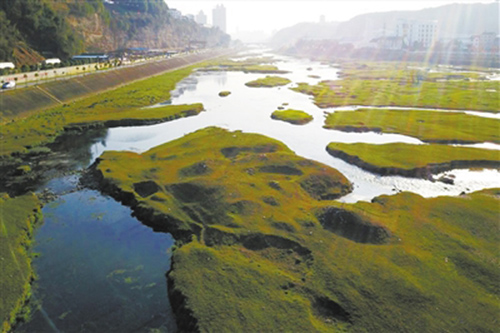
(224, 93)
(268, 82)
(295, 117)
(387, 84)
(121, 106)
(258, 251)
(428, 126)
(252, 65)
(413, 160)
(17, 218)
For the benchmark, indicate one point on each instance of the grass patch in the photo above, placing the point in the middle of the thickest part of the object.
(122, 105)
(17, 218)
(224, 93)
(295, 117)
(251, 65)
(263, 245)
(385, 84)
(428, 126)
(268, 82)
(413, 160)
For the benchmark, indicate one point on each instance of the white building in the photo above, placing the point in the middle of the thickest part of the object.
(201, 18)
(219, 17)
(417, 34)
(9, 65)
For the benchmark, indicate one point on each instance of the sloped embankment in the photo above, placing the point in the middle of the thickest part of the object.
(25, 101)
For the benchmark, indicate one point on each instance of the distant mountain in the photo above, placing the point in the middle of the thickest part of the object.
(63, 28)
(454, 20)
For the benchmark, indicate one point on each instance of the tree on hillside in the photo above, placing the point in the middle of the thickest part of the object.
(42, 27)
(9, 37)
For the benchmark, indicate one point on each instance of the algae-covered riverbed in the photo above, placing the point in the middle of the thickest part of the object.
(257, 225)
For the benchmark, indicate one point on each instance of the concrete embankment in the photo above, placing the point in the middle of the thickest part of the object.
(24, 101)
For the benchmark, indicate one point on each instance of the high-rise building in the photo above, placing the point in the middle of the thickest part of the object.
(219, 17)
(201, 18)
(417, 33)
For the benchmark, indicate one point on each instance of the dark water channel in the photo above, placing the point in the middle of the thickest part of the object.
(99, 269)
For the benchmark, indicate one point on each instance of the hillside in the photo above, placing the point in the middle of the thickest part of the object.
(306, 30)
(66, 27)
(453, 20)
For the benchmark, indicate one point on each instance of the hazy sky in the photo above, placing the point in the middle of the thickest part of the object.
(260, 15)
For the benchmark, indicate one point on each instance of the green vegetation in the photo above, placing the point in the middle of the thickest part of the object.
(413, 72)
(9, 37)
(253, 65)
(295, 117)
(61, 28)
(384, 84)
(17, 217)
(268, 82)
(40, 25)
(224, 93)
(139, 116)
(261, 243)
(413, 160)
(428, 126)
(119, 104)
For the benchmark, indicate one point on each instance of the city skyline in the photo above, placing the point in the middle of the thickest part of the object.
(241, 14)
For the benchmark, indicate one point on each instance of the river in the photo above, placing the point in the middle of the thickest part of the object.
(101, 270)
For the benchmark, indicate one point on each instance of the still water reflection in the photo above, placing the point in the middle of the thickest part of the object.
(100, 269)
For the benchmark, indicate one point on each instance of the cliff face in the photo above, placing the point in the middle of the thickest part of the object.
(125, 31)
(64, 28)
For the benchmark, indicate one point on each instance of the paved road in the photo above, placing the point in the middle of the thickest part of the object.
(49, 94)
(56, 74)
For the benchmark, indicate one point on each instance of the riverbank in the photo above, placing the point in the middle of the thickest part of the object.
(23, 102)
(428, 126)
(264, 245)
(270, 235)
(420, 161)
(29, 136)
(379, 84)
(18, 218)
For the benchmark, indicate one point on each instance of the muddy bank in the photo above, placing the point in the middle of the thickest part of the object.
(426, 172)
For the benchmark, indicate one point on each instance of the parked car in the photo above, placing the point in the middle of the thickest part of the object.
(8, 85)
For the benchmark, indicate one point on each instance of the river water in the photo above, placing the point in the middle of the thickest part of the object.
(101, 270)
(249, 109)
